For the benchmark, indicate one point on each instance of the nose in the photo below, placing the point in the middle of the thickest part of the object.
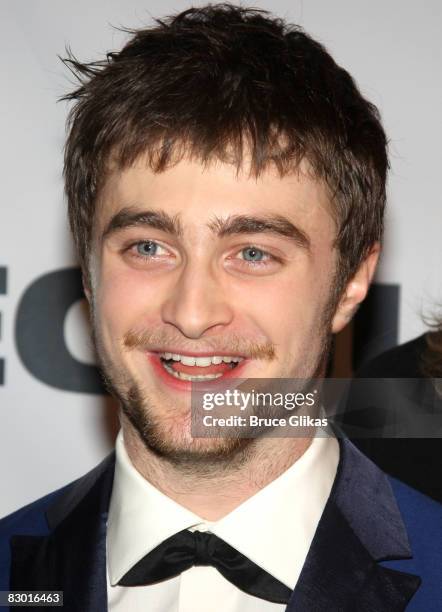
(197, 303)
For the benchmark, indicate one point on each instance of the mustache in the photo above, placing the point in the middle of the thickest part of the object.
(153, 340)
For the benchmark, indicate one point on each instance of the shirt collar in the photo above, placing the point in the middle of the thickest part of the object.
(140, 516)
(274, 528)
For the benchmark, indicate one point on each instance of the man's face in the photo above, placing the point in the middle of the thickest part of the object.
(202, 262)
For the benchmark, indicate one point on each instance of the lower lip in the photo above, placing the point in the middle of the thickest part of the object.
(186, 385)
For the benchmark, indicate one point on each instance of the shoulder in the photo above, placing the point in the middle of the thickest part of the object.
(402, 361)
(31, 518)
(40, 517)
(422, 518)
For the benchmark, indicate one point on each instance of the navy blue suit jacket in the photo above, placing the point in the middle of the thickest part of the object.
(377, 548)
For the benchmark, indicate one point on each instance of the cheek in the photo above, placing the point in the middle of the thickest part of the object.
(292, 314)
(284, 309)
(125, 300)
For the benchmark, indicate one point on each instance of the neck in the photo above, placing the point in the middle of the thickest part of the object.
(213, 493)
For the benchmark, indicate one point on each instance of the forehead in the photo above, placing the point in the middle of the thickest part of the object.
(196, 192)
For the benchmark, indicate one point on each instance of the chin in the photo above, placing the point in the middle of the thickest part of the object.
(169, 435)
(202, 454)
(191, 451)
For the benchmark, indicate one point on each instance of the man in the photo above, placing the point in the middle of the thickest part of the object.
(226, 187)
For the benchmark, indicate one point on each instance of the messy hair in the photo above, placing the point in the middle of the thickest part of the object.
(222, 82)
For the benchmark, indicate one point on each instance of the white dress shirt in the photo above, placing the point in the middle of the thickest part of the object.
(274, 528)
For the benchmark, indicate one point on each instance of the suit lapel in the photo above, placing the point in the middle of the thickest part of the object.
(72, 557)
(361, 526)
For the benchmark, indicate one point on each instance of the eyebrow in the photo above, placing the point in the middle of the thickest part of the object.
(271, 224)
(230, 226)
(130, 217)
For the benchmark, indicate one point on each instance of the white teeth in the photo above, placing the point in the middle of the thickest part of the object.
(183, 376)
(202, 362)
(190, 361)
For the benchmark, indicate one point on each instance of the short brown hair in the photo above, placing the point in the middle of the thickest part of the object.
(215, 81)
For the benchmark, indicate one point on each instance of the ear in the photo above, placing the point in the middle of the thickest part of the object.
(356, 290)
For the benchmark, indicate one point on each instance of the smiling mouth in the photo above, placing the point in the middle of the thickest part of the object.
(198, 369)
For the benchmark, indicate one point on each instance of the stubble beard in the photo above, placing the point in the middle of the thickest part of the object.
(167, 433)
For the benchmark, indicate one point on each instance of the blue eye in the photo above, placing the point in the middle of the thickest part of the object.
(252, 254)
(147, 248)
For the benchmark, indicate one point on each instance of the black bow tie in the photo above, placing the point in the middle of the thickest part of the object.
(186, 549)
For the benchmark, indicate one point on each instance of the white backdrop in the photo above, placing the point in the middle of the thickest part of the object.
(50, 436)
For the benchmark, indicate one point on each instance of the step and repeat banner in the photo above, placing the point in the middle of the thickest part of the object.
(56, 423)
